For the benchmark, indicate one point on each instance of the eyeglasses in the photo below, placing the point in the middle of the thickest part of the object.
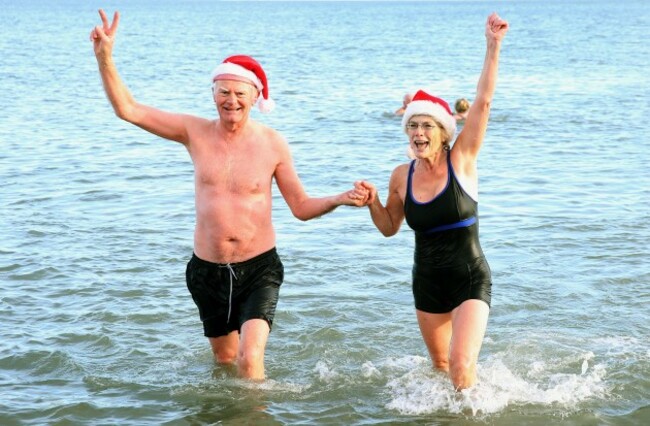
(427, 127)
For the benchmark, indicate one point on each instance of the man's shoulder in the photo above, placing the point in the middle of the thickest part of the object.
(261, 127)
(198, 120)
(198, 126)
(262, 131)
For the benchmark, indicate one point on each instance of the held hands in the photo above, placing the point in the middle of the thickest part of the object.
(363, 194)
(357, 197)
(495, 28)
(104, 35)
(367, 191)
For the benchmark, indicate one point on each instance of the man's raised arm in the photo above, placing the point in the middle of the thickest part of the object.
(161, 123)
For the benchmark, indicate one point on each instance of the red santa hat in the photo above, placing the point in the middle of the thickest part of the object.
(426, 104)
(246, 67)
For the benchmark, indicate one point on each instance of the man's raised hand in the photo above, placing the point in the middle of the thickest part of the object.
(103, 35)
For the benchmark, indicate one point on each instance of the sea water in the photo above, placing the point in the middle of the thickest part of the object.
(97, 326)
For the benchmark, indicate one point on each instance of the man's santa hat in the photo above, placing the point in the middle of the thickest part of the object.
(426, 104)
(246, 67)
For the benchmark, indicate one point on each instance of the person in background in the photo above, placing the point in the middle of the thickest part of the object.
(461, 109)
(405, 101)
(437, 193)
(235, 273)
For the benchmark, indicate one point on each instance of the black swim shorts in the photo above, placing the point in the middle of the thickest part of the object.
(440, 290)
(228, 295)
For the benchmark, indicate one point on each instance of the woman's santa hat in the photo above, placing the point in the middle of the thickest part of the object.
(426, 104)
(248, 68)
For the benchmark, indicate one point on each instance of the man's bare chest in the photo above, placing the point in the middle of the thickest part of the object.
(237, 174)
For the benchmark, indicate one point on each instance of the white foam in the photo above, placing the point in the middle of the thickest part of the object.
(620, 345)
(275, 386)
(419, 390)
(369, 371)
(326, 373)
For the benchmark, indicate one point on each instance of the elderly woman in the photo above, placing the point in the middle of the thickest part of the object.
(437, 193)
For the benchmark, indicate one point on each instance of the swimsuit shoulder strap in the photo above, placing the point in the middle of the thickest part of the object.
(409, 179)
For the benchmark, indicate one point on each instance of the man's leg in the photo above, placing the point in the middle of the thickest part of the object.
(224, 348)
(252, 344)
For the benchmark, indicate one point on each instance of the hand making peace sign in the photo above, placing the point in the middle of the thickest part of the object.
(104, 35)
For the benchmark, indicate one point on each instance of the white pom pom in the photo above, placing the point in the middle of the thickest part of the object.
(266, 105)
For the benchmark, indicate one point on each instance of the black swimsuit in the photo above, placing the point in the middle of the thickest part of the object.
(449, 266)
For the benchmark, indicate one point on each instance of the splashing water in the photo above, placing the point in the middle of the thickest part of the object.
(422, 391)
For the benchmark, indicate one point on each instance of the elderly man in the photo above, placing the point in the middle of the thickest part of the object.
(234, 274)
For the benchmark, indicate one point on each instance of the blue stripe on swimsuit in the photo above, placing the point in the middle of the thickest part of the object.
(462, 224)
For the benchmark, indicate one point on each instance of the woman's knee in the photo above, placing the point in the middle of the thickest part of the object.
(462, 370)
(440, 362)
